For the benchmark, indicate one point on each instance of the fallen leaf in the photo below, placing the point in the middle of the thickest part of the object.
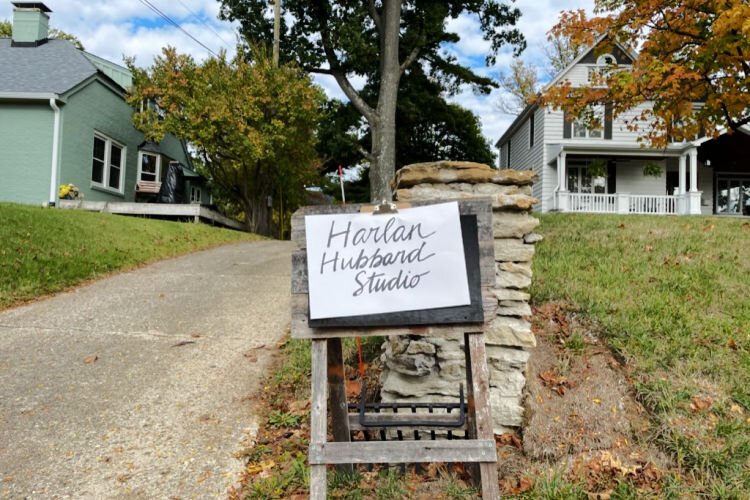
(596, 401)
(736, 409)
(732, 344)
(123, 478)
(195, 335)
(203, 477)
(260, 467)
(90, 360)
(699, 403)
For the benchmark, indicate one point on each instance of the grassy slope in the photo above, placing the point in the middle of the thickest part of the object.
(43, 251)
(673, 298)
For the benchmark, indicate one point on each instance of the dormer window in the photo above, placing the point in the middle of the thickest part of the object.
(598, 72)
(606, 60)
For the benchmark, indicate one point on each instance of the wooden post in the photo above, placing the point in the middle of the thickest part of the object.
(479, 407)
(337, 398)
(318, 416)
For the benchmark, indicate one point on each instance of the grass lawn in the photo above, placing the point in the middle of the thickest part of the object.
(669, 295)
(672, 298)
(44, 251)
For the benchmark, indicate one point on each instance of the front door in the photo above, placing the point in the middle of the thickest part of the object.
(732, 194)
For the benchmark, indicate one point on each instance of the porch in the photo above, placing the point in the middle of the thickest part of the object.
(618, 185)
(174, 211)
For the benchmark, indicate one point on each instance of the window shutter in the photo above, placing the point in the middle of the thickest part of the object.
(567, 126)
(608, 121)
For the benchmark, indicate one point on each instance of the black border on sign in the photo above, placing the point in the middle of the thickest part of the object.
(472, 313)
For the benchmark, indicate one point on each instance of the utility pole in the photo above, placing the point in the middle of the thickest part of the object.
(276, 29)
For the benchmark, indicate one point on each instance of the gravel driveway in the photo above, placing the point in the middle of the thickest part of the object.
(140, 385)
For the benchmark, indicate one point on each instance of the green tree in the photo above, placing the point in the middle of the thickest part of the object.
(380, 40)
(252, 125)
(429, 128)
(6, 31)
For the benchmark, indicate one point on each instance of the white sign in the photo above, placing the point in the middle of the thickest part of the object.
(366, 264)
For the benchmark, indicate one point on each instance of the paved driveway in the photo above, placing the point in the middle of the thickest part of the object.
(140, 385)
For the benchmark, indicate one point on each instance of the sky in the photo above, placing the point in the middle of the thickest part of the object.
(115, 28)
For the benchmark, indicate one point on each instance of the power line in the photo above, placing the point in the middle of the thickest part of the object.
(151, 6)
(207, 25)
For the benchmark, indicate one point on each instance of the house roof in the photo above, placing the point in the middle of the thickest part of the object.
(51, 68)
(522, 116)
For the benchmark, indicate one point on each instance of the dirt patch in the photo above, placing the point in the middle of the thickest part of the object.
(581, 415)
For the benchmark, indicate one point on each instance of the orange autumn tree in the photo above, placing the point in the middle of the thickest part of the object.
(693, 65)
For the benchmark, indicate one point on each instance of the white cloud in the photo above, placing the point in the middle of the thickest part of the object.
(114, 28)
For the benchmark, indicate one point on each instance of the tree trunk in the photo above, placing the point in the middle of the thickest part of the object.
(383, 164)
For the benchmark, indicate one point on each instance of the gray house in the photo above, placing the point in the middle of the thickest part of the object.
(705, 176)
(64, 120)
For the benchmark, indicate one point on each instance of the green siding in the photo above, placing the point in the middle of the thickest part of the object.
(25, 152)
(30, 25)
(26, 145)
(97, 108)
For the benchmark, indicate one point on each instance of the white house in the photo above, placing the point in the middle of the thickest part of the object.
(706, 176)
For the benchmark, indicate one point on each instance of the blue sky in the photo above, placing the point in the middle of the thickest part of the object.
(114, 28)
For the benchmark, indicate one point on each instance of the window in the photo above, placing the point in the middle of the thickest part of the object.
(149, 166)
(531, 130)
(108, 163)
(580, 130)
(579, 181)
(195, 195)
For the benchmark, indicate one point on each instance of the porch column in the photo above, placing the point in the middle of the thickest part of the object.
(682, 202)
(562, 193)
(693, 197)
(693, 170)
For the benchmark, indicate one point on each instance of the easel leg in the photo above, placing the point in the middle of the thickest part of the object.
(480, 416)
(337, 397)
(318, 415)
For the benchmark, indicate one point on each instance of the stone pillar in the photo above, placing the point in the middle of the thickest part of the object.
(430, 368)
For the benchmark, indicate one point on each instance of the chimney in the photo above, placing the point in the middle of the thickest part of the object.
(30, 24)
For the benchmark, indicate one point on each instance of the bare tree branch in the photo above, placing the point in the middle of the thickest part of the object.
(409, 60)
(375, 16)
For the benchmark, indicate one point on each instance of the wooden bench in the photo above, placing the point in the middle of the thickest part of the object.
(148, 187)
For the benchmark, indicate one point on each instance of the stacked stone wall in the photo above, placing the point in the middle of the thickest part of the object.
(431, 368)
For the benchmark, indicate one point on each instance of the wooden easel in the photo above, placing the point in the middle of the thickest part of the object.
(328, 374)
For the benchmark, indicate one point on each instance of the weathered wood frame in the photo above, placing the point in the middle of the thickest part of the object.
(328, 380)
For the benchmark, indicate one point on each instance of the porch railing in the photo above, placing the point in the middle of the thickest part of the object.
(646, 204)
(619, 203)
(592, 203)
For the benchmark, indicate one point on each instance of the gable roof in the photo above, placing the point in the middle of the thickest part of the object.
(54, 67)
(583, 55)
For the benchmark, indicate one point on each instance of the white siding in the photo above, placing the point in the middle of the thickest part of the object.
(578, 75)
(553, 126)
(620, 132)
(524, 157)
(630, 178)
